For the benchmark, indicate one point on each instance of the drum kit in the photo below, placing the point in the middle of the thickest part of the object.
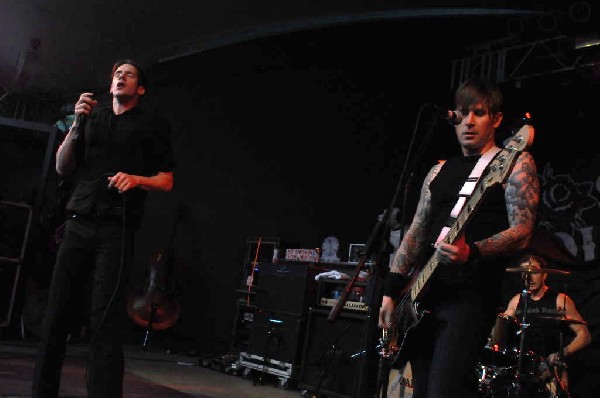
(507, 368)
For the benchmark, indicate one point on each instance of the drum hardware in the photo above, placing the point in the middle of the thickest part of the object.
(560, 320)
(534, 269)
(559, 389)
(507, 369)
(536, 369)
(523, 327)
(500, 350)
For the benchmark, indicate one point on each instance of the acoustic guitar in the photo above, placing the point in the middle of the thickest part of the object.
(156, 306)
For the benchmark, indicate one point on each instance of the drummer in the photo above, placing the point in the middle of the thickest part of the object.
(547, 307)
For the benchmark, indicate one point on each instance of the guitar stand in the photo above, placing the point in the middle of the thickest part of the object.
(383, 374)
(153, 309)
(271, 335)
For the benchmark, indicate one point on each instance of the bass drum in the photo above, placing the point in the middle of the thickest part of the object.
(400, 383)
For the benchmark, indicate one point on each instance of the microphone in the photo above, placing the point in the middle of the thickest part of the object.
(453, 117)
(81, 119)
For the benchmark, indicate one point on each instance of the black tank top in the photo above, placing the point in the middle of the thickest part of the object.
(542, 337)
(483, 277)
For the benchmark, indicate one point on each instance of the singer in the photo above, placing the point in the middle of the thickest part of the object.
(460, 303)
(115, 154)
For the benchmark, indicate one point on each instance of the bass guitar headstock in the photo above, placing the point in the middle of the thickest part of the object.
(500, 167)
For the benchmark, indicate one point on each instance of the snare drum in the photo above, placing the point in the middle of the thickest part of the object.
(501, 349)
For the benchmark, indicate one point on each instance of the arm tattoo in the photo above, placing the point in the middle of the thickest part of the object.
(522, 194)
(413, 243)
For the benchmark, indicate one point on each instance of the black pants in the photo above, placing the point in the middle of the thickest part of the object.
(450, 340)
(95, 251)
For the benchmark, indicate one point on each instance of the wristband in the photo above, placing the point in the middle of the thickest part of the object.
(474, 253)
(394, 283)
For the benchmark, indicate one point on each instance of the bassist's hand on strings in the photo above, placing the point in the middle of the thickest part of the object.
(458, 252)
(385, 312)
(396, 284)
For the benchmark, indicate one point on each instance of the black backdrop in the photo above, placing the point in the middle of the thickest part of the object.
(303, 135)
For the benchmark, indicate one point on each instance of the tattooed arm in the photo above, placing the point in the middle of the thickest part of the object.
(522, 195)
(412, 245)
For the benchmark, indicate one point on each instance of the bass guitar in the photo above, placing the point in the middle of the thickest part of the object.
(407, 314)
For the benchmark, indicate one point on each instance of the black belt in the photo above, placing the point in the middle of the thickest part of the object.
(100, 214)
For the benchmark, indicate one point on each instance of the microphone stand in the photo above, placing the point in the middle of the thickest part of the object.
(326, 361)
(379, 271)
(373, 287)
(385, 219)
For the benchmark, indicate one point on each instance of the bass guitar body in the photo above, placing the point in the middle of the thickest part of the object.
(399, 338)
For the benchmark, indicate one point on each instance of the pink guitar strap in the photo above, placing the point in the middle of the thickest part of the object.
(467, 189)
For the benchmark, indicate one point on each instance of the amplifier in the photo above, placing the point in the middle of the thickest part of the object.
(277, 336)
(339, 358)
(286, 287)
(329, 290)
(348, 305)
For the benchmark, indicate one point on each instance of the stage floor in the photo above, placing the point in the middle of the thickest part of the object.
(150, 373)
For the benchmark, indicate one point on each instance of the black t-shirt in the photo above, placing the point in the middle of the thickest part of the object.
(136, 142)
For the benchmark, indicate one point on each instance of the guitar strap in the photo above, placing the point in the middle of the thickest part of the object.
(467, 189)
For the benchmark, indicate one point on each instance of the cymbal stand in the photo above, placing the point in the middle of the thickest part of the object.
(153, 309)
(561, 365)
(557, 374)
(523, 327)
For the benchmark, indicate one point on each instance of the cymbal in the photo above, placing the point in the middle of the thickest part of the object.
(529, 269)
(560, 319)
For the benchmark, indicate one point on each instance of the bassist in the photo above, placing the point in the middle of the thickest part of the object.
(457, 309)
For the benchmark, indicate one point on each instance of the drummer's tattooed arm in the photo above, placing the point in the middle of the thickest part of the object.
(522, 195)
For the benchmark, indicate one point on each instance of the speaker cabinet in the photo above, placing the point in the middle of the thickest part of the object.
(286, 287)
(339, 357)
(276, 335)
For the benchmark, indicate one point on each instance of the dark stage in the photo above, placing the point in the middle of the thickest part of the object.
(152, 373)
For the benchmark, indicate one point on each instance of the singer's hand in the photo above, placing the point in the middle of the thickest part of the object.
(85, 104)
(123, 182)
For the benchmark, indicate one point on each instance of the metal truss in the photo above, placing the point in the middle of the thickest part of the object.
(537, 58)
